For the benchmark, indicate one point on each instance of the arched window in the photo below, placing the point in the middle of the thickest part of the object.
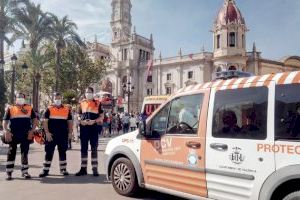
(232, 68)
(124, 80)
(124, 85)
(232, 39)
(219, 69)
(218, 41)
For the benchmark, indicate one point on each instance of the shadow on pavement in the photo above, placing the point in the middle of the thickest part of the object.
(153, 195)
(72, 179)
(99, 150)
(17, 167)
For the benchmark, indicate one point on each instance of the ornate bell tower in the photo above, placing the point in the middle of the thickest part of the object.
(229, 33)
(121, 20)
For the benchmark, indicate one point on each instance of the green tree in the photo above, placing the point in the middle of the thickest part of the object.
(79, 71)
(7, 26)
(35, 27)
(64, 34)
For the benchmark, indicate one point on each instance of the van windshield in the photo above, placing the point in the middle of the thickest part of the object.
(287, 112)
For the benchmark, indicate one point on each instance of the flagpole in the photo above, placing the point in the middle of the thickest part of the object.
(157, 79)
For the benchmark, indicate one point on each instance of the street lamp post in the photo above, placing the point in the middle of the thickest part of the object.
(128, 90)
(2, 63)
(2, 88)
(25, 68)
(13, 62)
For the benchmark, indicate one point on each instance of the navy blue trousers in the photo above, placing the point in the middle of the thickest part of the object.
(89, 134)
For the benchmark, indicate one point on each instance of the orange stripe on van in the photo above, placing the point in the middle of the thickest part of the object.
(297, 78)
(283, 77)
(254, 82)
(220, 83)
(268, 81)
(270, 77)
(242, 83)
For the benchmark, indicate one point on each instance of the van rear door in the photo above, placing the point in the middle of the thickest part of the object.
(240, 126)
(287, 125)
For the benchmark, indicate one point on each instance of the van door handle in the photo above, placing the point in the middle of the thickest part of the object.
(193, 145)
(219, 146)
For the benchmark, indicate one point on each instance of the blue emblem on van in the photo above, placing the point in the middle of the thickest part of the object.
(192, 159)
(236, 156)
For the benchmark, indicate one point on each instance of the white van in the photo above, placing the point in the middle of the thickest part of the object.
(232, 139)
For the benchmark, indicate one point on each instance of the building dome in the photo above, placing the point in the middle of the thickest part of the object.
(229, 13)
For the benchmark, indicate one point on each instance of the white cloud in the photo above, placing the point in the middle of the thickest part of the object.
(91, 16)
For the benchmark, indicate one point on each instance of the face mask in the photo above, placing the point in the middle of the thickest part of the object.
(57, 102)
(89, 96)
(20, 101)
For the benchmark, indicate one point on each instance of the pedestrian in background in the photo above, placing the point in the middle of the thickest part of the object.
(75, 125)
(119, 123)
(132, 122)
(114, 124)
(138, 119)
(125, 122)
(105, 130)
(109, 119)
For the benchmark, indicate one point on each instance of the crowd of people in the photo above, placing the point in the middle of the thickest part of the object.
(115, 123)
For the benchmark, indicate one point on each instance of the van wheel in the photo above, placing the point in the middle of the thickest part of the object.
(293, 196)
(123, 177)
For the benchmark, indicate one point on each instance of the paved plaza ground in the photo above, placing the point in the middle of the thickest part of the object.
(57, 187)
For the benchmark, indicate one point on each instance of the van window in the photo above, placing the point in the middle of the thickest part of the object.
(159, 121)
(287, 112)
(184, 114)
(241, 113)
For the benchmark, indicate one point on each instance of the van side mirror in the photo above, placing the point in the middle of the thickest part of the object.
(142, 128)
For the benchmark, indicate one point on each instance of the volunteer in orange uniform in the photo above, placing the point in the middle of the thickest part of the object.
(90, 114)
(22, 120)
(58, 126)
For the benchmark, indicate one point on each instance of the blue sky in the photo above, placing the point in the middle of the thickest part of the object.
(274, 24)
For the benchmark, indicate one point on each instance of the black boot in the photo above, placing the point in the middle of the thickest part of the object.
(9, 176)
(64, 172)
(95, 172)
(26, 175)
(82, 172)
(44, 174)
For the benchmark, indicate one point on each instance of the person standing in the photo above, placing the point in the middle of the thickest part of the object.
(119, 123)
(75, 125)
(132, 122)
(105, 125)
(114, 124)
(109, 123)
(125, 122)
(58, 125)
(19, 122)
(138, 119)
(91, 114)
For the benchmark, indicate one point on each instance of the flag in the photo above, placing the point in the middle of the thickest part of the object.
(149, 70)
(191, 56)
(120, 101)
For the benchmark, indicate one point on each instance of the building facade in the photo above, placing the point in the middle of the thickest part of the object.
(131, 54)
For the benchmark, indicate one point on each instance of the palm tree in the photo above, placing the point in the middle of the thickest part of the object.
(34, 25)
(7, 26)
(64, 34)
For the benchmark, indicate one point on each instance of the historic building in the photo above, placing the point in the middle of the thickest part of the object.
(130, 55)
